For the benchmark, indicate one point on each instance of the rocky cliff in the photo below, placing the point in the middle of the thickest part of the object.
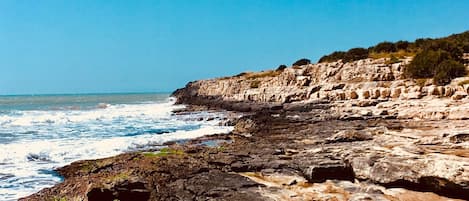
(368, 82)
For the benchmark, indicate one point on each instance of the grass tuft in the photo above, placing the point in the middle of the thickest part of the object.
(401, 54)
(463, 82)
(163, 152)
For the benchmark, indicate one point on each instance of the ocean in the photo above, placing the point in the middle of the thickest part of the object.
(41, 132)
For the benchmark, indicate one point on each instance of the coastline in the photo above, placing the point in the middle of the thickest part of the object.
(321, 145)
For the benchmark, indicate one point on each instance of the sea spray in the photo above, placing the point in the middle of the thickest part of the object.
(35, 141)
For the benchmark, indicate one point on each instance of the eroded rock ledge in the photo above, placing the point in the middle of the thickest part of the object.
(287, 155)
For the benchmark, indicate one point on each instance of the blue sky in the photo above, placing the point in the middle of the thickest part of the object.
(91, 46)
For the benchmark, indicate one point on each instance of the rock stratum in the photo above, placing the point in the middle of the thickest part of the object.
(327, 131)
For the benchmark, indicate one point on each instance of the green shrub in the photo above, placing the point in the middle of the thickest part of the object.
(281, 67)
(466, 48)
(422, 43)
(402, 45)
(355, 54)
(241, 74)
(385, 47)
(302, 62)
(335, 56)
(424, 64)
(447, 70)
(449, 46)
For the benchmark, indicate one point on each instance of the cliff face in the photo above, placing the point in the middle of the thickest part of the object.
(362, 83)
(315, 81)
(363, 79)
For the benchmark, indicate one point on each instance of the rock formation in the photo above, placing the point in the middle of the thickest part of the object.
(328, 131)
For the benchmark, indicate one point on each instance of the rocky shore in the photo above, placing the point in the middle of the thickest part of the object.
(328, 131)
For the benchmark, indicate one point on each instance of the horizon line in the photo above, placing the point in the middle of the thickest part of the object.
(85, 93)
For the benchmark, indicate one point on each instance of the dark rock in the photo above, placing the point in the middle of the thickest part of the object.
(459, 138)
(329, 170)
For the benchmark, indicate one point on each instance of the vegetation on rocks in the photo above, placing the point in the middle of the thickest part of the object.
(447, 70)
(262, 74)
(302, 62)
(351, 55)
(464, 82)
(440, 59)
(455, 44)
(163, 152)
(255, 84)
(281, 67)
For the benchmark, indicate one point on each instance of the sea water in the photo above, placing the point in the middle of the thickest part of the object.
(42, 132)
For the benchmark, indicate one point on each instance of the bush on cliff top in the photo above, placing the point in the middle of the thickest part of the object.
(455, 44)
(302, 62)
(436, 64)
(448, 70)
(424, 64)
(385, 47)
(440, 59)
(351, 55)
(335, 56)
(281, 67)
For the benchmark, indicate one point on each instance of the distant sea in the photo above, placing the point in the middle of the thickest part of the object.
(41, 132)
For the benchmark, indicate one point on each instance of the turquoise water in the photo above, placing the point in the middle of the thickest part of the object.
(42, 132)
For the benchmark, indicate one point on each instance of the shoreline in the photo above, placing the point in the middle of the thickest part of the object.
(304, 134)
(269, 150)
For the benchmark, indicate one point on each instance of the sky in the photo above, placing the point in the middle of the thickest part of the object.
(100, 46)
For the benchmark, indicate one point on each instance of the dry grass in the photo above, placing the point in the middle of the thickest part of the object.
(463, 82)
(421, 82)
(270, 73)
(401, 54)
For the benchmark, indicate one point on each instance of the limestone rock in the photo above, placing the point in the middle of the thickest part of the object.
(396, 92)
(353, 95)
(458, 95)
(349, 136)
(365, 94)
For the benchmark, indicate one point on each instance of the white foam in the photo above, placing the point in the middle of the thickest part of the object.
(61, 137)
(29, 118)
